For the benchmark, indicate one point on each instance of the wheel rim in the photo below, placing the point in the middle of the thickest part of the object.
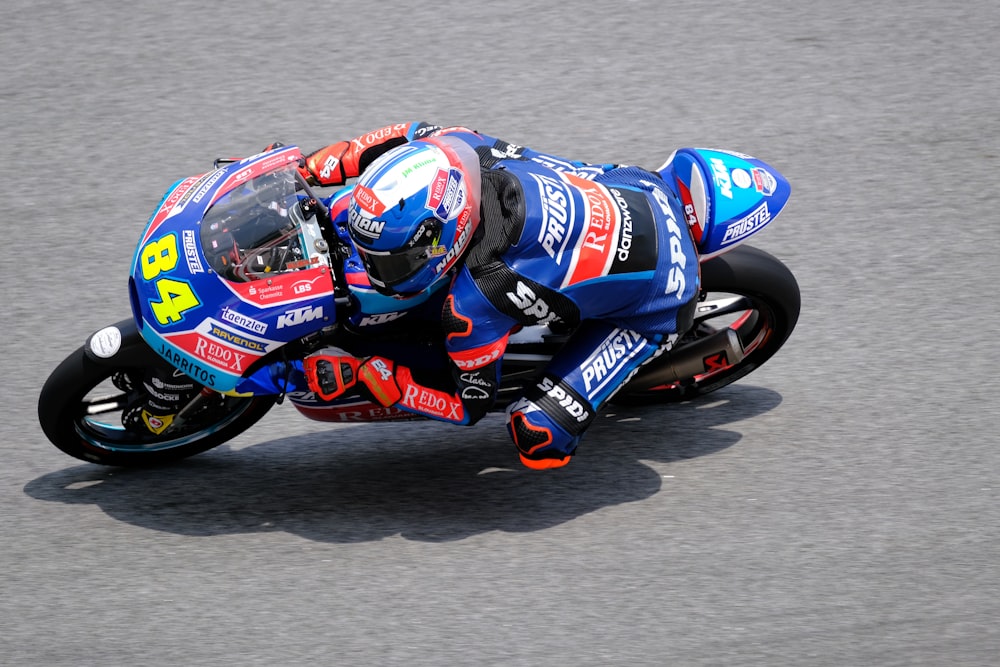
(98, 422)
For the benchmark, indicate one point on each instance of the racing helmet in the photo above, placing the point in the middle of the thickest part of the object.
(413, 213)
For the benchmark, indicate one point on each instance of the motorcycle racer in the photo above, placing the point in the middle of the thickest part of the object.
(514, 237)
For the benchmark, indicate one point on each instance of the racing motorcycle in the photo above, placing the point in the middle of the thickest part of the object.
(245, 269)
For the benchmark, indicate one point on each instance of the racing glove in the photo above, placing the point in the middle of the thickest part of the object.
(330, 375)
(331, 165)
(334, 164)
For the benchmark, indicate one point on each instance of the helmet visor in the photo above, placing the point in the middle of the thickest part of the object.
(386, 269)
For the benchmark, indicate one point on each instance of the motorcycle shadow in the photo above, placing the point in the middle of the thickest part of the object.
(421, 480)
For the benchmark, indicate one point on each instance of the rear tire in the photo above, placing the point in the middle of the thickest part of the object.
(761, 297)
(88, 426)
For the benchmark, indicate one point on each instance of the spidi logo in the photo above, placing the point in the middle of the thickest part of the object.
(297, 316)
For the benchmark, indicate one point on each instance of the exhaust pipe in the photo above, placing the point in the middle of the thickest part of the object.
(720, 350)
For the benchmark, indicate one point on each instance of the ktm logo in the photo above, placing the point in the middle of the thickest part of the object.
(297, 316)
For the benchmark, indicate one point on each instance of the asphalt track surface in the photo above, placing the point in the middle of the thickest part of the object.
(837, 507)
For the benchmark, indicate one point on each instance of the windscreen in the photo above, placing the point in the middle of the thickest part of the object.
(263, 227)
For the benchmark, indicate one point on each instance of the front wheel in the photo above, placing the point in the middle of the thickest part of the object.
(749, 306)
(79, 410)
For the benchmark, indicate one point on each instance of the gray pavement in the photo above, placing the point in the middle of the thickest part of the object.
(837, 507)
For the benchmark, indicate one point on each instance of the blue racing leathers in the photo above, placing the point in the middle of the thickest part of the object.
(601, 249)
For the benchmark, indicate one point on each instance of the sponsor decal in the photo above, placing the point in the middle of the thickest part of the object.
(463, 238)
(505, 151)
(379, 318)
(468, 360)
(315, 408)
(191, 252)
(637, 246)
(304, 286)
(446, 193)
(365, 226)
(267, 292)
(435, 194)
(594, 252)
(297, 316)
(557, 216)
(187, 367)
(379, 135)
(614, 352)
(212, 180)
(284, 288)
(740, 229)
(716, 362)
(275, 161)
(236, 339)
(764, 182)
(473, 378)
(156, 392)
(741, 178)
(301, 264)
(566, 401)
(408, 170)
(220, 356)
(217, 346)
(531, 305)
(625, 238)
(429, 401)
(168, 205)
(160, 384)
(675, 279)
(157, 424)
(474, 394)
(367, 200)
(106, 342)
(720, 174)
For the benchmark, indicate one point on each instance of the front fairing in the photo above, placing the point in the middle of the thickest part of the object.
(228, 270)
(727, 196)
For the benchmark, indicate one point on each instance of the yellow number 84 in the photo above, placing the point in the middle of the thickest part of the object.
(176, 296)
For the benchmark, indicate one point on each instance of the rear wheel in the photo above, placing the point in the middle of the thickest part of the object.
(80, 409)
(746, 291)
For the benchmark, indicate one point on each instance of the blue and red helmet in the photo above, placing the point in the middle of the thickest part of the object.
(413, 212)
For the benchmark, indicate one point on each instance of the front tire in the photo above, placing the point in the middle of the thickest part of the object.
(80, 412)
